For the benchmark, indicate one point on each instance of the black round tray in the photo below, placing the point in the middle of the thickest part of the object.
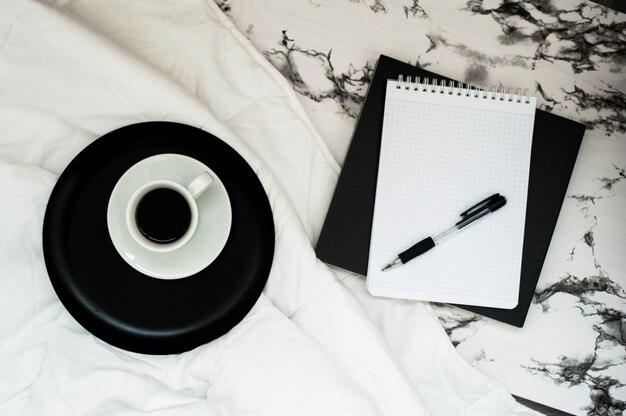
(117, 303)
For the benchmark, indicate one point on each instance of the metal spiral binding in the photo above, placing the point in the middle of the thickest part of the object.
(460, 89)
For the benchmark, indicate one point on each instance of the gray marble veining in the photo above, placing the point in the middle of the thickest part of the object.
(347, 89)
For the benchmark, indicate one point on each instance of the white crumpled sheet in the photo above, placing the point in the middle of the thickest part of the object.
(314, 344)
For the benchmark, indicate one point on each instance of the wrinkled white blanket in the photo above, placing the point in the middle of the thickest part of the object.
(314, 344)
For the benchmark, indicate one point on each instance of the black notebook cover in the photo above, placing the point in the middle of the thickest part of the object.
(345, 238)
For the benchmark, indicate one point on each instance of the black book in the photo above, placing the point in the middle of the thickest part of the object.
(345, 238)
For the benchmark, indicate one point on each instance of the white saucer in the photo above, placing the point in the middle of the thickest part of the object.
(214, 212)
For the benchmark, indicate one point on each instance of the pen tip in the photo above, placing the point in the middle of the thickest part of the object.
(393, 264)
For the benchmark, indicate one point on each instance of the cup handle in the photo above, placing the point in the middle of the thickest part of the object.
(200, 184)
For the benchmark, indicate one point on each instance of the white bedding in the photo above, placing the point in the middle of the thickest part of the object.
(314, 344)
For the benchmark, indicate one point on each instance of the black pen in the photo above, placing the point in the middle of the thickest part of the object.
(491, 204)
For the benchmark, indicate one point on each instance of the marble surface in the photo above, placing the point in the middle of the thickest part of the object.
(571, 353)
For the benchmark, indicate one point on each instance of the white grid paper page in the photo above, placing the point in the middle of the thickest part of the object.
(440, 155)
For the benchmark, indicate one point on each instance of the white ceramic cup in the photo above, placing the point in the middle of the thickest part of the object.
(190, 193)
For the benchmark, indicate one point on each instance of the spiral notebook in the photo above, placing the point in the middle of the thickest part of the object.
(444, 148)
(344, 240)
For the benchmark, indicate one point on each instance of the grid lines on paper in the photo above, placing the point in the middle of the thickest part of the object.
(436, 161)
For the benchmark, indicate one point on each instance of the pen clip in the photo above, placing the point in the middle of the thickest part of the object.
(480, 206)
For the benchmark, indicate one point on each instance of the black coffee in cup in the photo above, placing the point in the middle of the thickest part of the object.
(163, 215)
